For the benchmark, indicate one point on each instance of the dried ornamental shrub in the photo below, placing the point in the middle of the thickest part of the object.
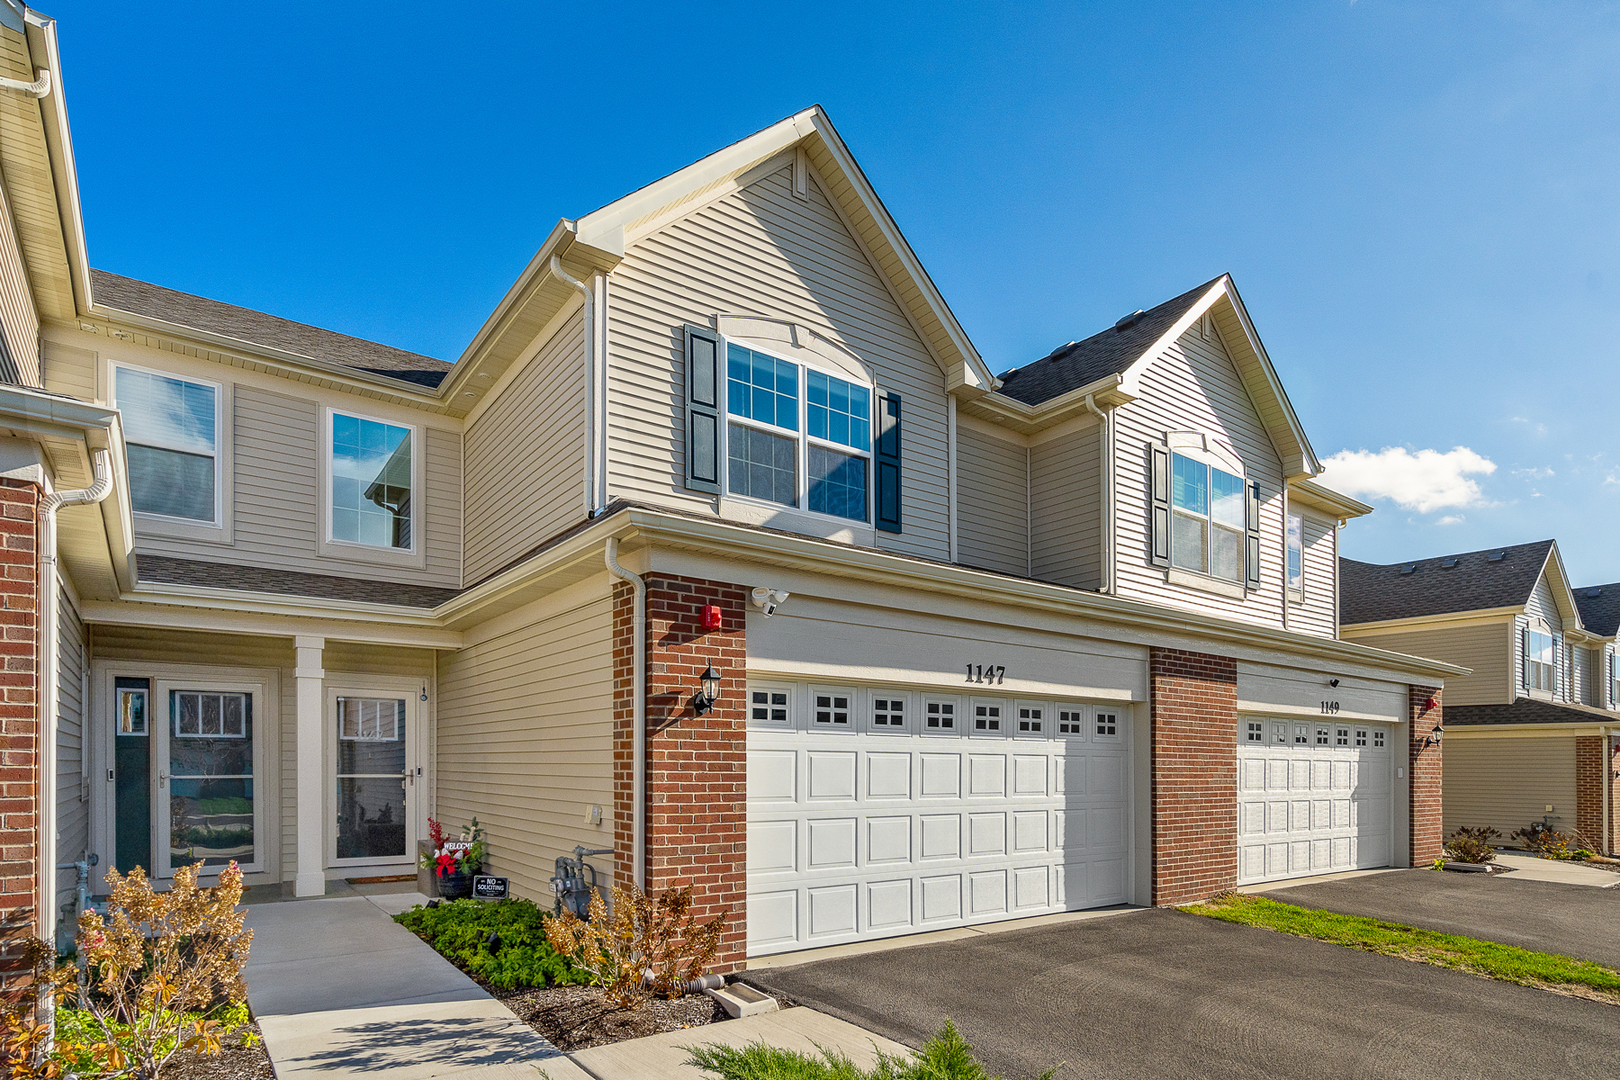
(24, 1033)
(1472, 845)
(1548, 843)
(646, 945)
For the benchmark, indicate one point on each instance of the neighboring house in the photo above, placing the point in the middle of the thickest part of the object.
(1530, 733)
(985, 648)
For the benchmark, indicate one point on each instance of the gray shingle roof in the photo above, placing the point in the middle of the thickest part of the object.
(1372, 593)
(161, 569)
(1525, 711)
(257, 328)
(1081, 363)
(1599, 606)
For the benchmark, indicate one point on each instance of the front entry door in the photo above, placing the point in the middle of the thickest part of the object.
(374, 777)
(205, 750)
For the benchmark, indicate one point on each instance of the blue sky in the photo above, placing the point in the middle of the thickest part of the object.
(1418, 201)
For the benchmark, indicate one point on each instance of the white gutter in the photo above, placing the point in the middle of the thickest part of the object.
(596, 404)
(1107, 471)
(638, 736)
(38, 88)
(49, 692)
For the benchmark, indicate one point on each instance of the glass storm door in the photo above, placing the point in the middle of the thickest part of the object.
(205, 805)
(373, 778)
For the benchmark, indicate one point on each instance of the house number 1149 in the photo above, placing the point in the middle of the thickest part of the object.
(993, 674)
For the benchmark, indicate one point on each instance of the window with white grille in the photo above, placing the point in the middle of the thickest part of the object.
(1378, 738)
(939, 716)
(209, 716)
(1321, 736)
(1107, 724)
(831, 708)
(889, 712)
(1031, 719)
(1341, 736)
(1256, 732)
(769, 706)
(1071, 722)
(1361, 737)
(987, 718)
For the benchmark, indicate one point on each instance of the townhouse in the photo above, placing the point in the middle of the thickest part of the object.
(1531, 732)
(719, 546)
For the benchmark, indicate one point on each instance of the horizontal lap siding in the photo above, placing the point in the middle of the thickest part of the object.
(1193, 386)
(68, 370)
(1065, 509)
(1508, 783)
(525, 741)
(1485, 648)
(1321, 562)
(276, 497)
(526, 456)
(992, 498)
(19, 321)
(72, 813)
(762, 251)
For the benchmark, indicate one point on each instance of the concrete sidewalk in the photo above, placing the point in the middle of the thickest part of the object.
(1533, 868)
(340, 989)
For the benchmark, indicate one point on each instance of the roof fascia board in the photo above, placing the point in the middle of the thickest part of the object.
(59, 143)
(1314, 494)
(1425, 622)
(1106, 393)
(246, 600)
(1530, 731)
(233, 619)
(1133, 371)
(1568, 610)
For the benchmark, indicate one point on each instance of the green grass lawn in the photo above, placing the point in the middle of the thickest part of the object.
(1506, 962)
(946, 1056)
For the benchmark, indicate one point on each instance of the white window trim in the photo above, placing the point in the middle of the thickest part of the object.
(857, 704)
(1048, 719)
(1549, 693)
(1006, 707)
(416, 554)
(744, 506)
(1208, 451)
(1122, 717)
(217, 531)
(908, 716)
(1296, 594)
(940, 732)
(793, 714)
(1087, 719)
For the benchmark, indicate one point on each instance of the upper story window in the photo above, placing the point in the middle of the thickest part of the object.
(171, 433)
(1538, 660)
(372, 483)
(797, 436)
(1614, 681)
(1207, 519)
(1296, 553)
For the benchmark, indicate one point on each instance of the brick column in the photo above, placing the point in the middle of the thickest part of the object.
(1423, 771)
(697, 780)
(1589, 766)
(1193, 698)
(19, 723)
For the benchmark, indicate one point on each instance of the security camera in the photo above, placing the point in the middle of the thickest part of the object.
(768, 600)
(1333, 682)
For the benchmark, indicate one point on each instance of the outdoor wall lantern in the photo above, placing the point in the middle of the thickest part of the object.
(708, 691)
(1433, 738)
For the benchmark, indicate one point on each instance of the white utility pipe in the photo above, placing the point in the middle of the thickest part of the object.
(593, 463)
(38, 88)
(1107, 494)
(49, 692)
(638, 727)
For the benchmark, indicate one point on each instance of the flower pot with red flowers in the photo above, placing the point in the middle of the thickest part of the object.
(454, 861)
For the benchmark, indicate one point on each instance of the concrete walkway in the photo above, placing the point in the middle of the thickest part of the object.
(1531, 868)
(340, 989)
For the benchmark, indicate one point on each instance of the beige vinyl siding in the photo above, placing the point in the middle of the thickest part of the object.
(280, 773)
(526, 456)
(1315, 615)
(72, 812)
(525, 738)
(1506, 783)
(992, 500)
(1194, 386)
(761, 251)
(1542, 606)
(19, 321)
(1580, 677)
(277, 443)
(1066, 508)
(1487, 648)
(68, 369)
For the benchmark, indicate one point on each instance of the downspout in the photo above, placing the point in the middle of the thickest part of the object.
(38, 88)
(49, 692)
(1107, 471)
(638, 735)
(592, 465)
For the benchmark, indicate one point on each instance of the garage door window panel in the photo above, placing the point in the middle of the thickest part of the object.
(831, 709)
(1106, 727)
(1031, 719)
(939, 716)
(1072, 722)
(770, 705)
(988, 718)
(890, 712)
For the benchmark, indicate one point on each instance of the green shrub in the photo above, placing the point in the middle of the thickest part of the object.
(947, 1056)
(459, 930)
(77, 1032)
(1472, 845)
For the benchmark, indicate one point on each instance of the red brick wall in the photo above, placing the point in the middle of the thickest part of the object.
(697, 766)
(19, 726)
(1193, 700)
(1589, 766)
(1427, 837)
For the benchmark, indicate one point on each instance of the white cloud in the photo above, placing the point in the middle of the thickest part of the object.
(1451, 519)
(1425, 480)
(1538, 428)
(1533, 474)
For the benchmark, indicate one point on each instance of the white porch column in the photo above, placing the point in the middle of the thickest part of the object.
(311, 879)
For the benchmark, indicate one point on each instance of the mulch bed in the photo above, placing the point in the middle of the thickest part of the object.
(576, 1017)
(236, 1062)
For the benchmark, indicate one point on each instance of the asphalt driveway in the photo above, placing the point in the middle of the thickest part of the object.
(1575, 920)
(1165, 994)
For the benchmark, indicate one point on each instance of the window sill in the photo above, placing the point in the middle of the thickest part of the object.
(792, 519)
(1296, 597)
(180, 529)
(1204, 583)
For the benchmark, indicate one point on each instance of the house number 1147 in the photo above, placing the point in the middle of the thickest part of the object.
(993, 674)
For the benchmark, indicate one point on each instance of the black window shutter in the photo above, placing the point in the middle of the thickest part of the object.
(703, 375)
(1160, 485)
(1253, 560)
(887, 462)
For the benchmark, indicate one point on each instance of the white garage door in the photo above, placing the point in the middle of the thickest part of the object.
(1313, 798)
(875, 812)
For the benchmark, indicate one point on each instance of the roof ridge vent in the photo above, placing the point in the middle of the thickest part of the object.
(1451, 563)
(1496, 556)
(1408, 567)
(1130, 320)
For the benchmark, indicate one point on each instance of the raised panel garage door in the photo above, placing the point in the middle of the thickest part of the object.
(1313, 798)
(877, 812)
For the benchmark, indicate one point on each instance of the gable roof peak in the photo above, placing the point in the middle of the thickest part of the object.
(1486, 579)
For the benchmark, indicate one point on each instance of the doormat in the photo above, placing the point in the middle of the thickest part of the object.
(380, 880)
